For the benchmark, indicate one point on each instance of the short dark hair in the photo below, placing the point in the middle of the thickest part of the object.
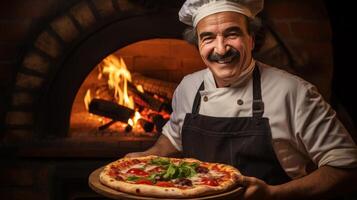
(253, 26)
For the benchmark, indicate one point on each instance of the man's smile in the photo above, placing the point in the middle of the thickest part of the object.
(227, 60)
(228, 57)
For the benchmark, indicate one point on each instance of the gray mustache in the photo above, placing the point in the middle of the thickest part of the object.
(214, 57)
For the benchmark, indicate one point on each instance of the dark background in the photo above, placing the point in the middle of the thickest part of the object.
(344, 39)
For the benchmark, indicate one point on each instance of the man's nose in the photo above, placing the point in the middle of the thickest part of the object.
(221, 46)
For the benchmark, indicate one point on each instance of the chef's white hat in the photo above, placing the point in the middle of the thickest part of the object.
(193, 11)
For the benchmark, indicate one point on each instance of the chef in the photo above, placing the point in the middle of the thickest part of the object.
(271, 125)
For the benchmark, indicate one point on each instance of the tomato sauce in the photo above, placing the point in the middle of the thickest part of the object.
(164, 184)
(144, 181)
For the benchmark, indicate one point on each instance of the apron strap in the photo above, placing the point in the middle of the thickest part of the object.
(258, 104)
(197, 101)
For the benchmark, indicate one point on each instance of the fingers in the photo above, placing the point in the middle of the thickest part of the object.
(254, 188)
(137, 154)
(242, 181)
(134, 154)
(246, 181)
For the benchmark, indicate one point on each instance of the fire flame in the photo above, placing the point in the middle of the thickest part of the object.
(87, 99)
(134, 120)
(118, 77)
(140, 88)
(115, 72)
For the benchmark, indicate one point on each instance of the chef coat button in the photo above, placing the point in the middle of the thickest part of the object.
(240, 102)
(205, 98)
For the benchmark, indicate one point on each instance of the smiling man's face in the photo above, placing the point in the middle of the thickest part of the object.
(225, 45)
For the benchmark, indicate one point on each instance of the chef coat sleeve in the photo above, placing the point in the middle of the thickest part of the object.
(172, 129)
(325, 139)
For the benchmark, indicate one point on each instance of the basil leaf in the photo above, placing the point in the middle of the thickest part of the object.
(171, 172)
(184, 172)
(152, 178)
(194, 165)
(132, 178)
(160, 161)
(188, 169)
(192, 171)
(185, 164)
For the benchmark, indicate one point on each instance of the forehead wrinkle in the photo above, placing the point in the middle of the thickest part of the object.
(220, 21)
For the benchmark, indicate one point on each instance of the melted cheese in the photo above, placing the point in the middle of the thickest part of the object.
(216, 174)
(150, 167)
(139, 165)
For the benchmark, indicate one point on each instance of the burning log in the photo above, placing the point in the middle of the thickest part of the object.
(159, 87)
(105, 126)
(128, 128)
(146, 125)
(110, 110)
(153, 103)
(159, 121)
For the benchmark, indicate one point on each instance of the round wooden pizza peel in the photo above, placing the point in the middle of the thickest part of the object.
(98, 187)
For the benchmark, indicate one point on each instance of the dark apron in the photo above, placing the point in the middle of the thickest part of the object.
(244, 142)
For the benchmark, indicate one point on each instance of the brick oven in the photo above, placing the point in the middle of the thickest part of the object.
(50, 51)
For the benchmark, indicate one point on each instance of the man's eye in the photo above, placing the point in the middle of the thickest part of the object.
(207, 39)
(232, 35)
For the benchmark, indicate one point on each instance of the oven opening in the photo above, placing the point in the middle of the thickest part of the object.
(128, 94)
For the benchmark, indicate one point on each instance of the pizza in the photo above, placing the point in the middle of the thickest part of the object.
(164, 177)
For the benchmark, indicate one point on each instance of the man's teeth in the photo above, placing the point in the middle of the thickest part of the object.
(226, 60)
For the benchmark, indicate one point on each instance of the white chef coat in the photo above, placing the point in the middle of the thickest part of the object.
(305, 131)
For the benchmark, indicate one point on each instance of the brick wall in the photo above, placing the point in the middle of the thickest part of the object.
(167, 59)
(24, 181)
(20, 20)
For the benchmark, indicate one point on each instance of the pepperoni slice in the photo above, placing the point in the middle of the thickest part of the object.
(210, 181)
(138, 172)
(215, 167)
(113, 173)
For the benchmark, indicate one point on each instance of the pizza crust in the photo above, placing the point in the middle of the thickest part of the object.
(156, 191)
(167, 192)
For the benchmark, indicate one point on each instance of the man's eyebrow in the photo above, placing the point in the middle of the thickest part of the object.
(228, 30)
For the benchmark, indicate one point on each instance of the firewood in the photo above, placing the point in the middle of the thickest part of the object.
(146, 125)
(155, 86)
(153, 103)
(105, 126)
(110, 110)
(159, 121)
(128, 128)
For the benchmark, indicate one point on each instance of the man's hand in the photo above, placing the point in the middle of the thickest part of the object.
(324, 183)
(137, 154)
(255, 189)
